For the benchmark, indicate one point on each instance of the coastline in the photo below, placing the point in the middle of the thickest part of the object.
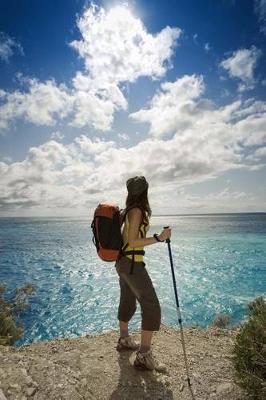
(89, 367)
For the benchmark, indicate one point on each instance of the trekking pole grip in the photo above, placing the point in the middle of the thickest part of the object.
(167, 240)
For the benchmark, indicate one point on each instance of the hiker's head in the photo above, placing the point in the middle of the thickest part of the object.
(137, 185)
(137, 188)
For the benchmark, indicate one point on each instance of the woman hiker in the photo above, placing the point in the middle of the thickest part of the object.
(134, 280)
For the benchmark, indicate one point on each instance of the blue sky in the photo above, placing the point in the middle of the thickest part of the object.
(93, 93)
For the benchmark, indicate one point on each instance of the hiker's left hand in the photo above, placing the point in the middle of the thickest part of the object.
(165, 234)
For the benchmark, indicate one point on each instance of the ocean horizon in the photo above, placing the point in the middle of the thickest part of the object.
(219, 261)
(153, 215)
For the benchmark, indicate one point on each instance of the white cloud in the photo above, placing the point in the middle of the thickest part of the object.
(172, 108)
(260, 11)
(195, 37)
(204, 142)
(80, 174)
(196, 123)
(53, 175)
(241, 65)
(46, 103)
(57, 135)
(225, 92)
(207, 47)
(8, 46)
(261, 152)
(217, 201)
(93, 147)
(94, 104)
(116, 49)
(123, 136)
(220, 201)
(203, 137)
(41, 105)
(256, 156)
(116, 46)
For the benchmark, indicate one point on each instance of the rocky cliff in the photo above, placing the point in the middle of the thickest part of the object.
(90, 368)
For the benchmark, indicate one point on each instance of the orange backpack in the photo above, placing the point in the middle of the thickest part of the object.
(106, 231)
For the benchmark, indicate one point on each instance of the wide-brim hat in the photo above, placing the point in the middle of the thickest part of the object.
(137, 185)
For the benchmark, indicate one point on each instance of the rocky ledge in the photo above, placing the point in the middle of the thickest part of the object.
(90, 368)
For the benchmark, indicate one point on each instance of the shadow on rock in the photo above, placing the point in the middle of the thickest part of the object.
(134, 384)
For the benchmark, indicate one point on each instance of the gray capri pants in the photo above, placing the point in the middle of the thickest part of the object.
(137, 286)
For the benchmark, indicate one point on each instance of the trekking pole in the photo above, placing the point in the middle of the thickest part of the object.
(178, 312)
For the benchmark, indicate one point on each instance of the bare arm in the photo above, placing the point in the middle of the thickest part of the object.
(134, 219)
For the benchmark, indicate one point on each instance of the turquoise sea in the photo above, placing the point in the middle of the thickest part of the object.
(219, 259)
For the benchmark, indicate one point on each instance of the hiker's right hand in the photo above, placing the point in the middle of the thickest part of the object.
(165, 234)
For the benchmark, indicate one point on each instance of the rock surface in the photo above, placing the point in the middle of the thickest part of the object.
(90, 368)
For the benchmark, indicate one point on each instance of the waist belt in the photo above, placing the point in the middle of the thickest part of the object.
(131, 252)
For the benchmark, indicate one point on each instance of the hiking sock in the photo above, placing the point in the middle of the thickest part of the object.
(143, 348)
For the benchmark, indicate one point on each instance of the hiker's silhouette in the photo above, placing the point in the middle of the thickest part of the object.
(143, 384)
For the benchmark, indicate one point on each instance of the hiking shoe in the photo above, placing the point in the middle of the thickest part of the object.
(127, 343)
(146, 361)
